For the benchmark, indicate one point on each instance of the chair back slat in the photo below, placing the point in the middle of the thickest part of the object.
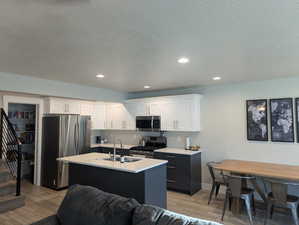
(280, 192)
(211, 170)
(235, 184)
(215, 174)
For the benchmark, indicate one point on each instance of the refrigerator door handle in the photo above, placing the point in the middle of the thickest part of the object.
(75, 135)
(78, 138)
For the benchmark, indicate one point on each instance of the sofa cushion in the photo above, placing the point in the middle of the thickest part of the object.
(84, 205)
(151, 215)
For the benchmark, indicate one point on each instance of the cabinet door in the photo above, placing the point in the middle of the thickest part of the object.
(72, 107)
(155, 108)
(114, 116)
(168, 116)
(137, 109)
(98, 118)
(86, 108)
(183, 121)
(128, 120)
(109, 116)
(177, 116)
(56, 106)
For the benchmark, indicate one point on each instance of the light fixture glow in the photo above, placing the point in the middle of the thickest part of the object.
(183, 60)
(100, 76)
(147, 86)
(216, 78)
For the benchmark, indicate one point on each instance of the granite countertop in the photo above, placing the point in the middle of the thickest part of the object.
(178, 151)
(97, 160)
(111, 146)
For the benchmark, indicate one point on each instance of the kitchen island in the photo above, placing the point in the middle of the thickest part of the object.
(144, 180)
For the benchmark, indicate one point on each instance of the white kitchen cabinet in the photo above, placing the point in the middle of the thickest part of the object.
(119, 118)
(155, 108)
(98, 117)
(62, 106)
(140, 108)
(137, 108)
(177, 116)
(178, 113)
(87, 108)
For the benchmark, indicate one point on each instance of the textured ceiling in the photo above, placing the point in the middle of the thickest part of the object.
(137, 42)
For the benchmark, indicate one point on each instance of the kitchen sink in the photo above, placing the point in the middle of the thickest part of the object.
(125, 159)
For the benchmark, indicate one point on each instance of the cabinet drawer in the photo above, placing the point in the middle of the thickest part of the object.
(118, 151)
(171, 173)
(169, 157)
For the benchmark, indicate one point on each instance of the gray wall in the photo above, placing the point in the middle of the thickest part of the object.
(223, 118)
(26, 84)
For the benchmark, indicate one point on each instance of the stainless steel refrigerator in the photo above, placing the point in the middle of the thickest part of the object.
(63, 135)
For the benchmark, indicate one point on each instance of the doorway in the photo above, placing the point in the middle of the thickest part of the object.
(23, 120)
(33, 153)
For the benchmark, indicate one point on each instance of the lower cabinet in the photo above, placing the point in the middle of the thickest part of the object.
(183, 171)
(107, 150)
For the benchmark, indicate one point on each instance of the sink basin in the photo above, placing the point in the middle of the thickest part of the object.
(125, 159)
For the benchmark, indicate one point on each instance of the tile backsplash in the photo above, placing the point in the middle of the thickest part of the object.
(174, 139)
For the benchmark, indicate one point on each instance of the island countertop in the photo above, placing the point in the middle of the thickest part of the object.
(97, 160)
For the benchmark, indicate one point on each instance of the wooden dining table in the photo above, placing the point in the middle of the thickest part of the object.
(259, 169)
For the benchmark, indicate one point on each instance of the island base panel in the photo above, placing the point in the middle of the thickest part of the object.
(147, 187)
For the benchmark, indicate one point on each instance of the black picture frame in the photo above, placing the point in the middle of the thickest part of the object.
(297, 117)
(257, 127)
(281, 111)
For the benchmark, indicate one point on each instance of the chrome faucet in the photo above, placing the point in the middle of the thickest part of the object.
(114, 148)
(121, 147)
(114, 152)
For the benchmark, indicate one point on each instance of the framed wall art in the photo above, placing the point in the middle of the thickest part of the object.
(297, 116)
(282, 123)
(257, 120)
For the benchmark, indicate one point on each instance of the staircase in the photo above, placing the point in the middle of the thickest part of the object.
(10, 167)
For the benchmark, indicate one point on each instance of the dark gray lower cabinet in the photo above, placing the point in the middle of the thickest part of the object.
(107, 150)
(183, 171)
(147, 187)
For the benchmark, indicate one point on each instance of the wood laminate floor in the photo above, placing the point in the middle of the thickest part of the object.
(42, 202)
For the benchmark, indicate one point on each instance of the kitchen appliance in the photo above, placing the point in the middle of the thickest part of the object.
(63, 135)
(151, 143)
(148, 123)
(98, 139)
(188, 143)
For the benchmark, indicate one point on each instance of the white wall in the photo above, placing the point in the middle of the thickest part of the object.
(223, 119)
(31, 85)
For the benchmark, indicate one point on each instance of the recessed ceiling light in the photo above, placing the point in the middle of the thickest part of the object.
(147, 86)
(216, 78)
(183, 60)
(100, 76)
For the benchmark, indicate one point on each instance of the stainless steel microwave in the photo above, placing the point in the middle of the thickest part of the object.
(148, 123)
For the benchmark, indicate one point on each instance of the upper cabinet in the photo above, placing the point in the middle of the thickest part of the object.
(118, 117)
(87, 108)
(98, 117)
(178, 113)
(62, 106)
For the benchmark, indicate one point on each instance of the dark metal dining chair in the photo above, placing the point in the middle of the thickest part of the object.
(278, 197)
(217, 180)
(237, 190)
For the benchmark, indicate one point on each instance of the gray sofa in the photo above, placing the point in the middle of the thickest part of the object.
(84, 205)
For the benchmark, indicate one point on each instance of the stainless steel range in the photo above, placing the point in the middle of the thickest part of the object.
(151, 143)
